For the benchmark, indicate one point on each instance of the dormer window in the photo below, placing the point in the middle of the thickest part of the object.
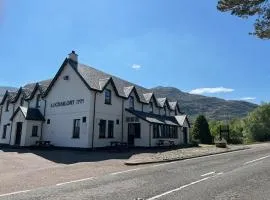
(21, 101)
(7, 106)
(151, 109)
(131, 102)
(108, 96)
(38, 100)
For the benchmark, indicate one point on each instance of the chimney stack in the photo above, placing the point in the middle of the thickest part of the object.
(73, 56)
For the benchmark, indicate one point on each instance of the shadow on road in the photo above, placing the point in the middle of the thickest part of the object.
(71, 156)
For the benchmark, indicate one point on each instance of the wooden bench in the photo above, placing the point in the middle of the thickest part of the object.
(163, 142)
(118, 144)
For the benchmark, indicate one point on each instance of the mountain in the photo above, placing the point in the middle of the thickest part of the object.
(3, 90)
(213, 108)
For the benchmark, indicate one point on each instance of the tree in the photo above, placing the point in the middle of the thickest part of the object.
(257, 124)
(201, 130)
(236, 131)
(215, 128)
(246, 8)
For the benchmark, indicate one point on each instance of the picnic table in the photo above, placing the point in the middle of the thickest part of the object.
(163, 142)
(118, 144)
(43, 143)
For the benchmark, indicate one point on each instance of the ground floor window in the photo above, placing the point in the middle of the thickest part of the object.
(4, 132)
(110, 128)
(166, 131)
(34, 131)
(156, 131)
(102, 128)
(137, 130)
(76, 128)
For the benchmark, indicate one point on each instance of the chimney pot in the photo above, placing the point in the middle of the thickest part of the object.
(73, 56)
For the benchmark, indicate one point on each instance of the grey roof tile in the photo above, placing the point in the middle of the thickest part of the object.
(92, 77)
(154, 118)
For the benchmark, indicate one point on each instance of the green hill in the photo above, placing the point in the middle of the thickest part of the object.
(211, 107)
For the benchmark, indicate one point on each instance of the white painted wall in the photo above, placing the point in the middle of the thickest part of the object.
(144, 140)
(29, 139)
(60, 129)
(5, 119)
(108, 112)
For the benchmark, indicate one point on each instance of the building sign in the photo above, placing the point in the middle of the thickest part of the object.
(67, 103)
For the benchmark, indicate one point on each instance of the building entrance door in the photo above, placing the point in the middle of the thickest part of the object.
(131, 134)
(134, 131)
(18, 133)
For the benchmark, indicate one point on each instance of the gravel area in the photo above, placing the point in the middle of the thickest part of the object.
(178, 154)
(22, 169)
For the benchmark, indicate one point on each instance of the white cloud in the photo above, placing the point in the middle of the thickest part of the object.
(211, 90)
(248, 98)
(136, 66)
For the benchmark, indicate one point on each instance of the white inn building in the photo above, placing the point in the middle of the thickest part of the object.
(86, 108)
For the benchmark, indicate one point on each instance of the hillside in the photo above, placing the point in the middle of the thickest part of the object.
(212, 107)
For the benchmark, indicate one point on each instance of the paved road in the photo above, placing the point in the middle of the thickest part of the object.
(237, 175)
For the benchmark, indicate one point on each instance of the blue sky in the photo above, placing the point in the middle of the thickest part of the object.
(185, 44)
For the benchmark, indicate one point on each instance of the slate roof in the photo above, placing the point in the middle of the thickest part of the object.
(96, 80)
(154, 118)
(93, 76)
(29, 114)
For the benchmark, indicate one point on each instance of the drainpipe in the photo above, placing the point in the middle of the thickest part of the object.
(42, 123)
(11, 124)
(94, 119)
(150, 125)
(122, 122)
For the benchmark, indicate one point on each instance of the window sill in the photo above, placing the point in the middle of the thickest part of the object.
(75, 138)
(34, 136)
(108, 103)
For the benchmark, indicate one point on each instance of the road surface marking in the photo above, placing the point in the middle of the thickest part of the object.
(76, 181)
(252, 161)
(130, 170)
(8, 194)
(183, 186)
(177, 189)
(209, 173)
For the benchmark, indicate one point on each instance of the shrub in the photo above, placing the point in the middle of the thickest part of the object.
(201, 131)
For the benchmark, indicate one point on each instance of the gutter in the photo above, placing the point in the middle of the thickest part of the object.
(94, 119)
